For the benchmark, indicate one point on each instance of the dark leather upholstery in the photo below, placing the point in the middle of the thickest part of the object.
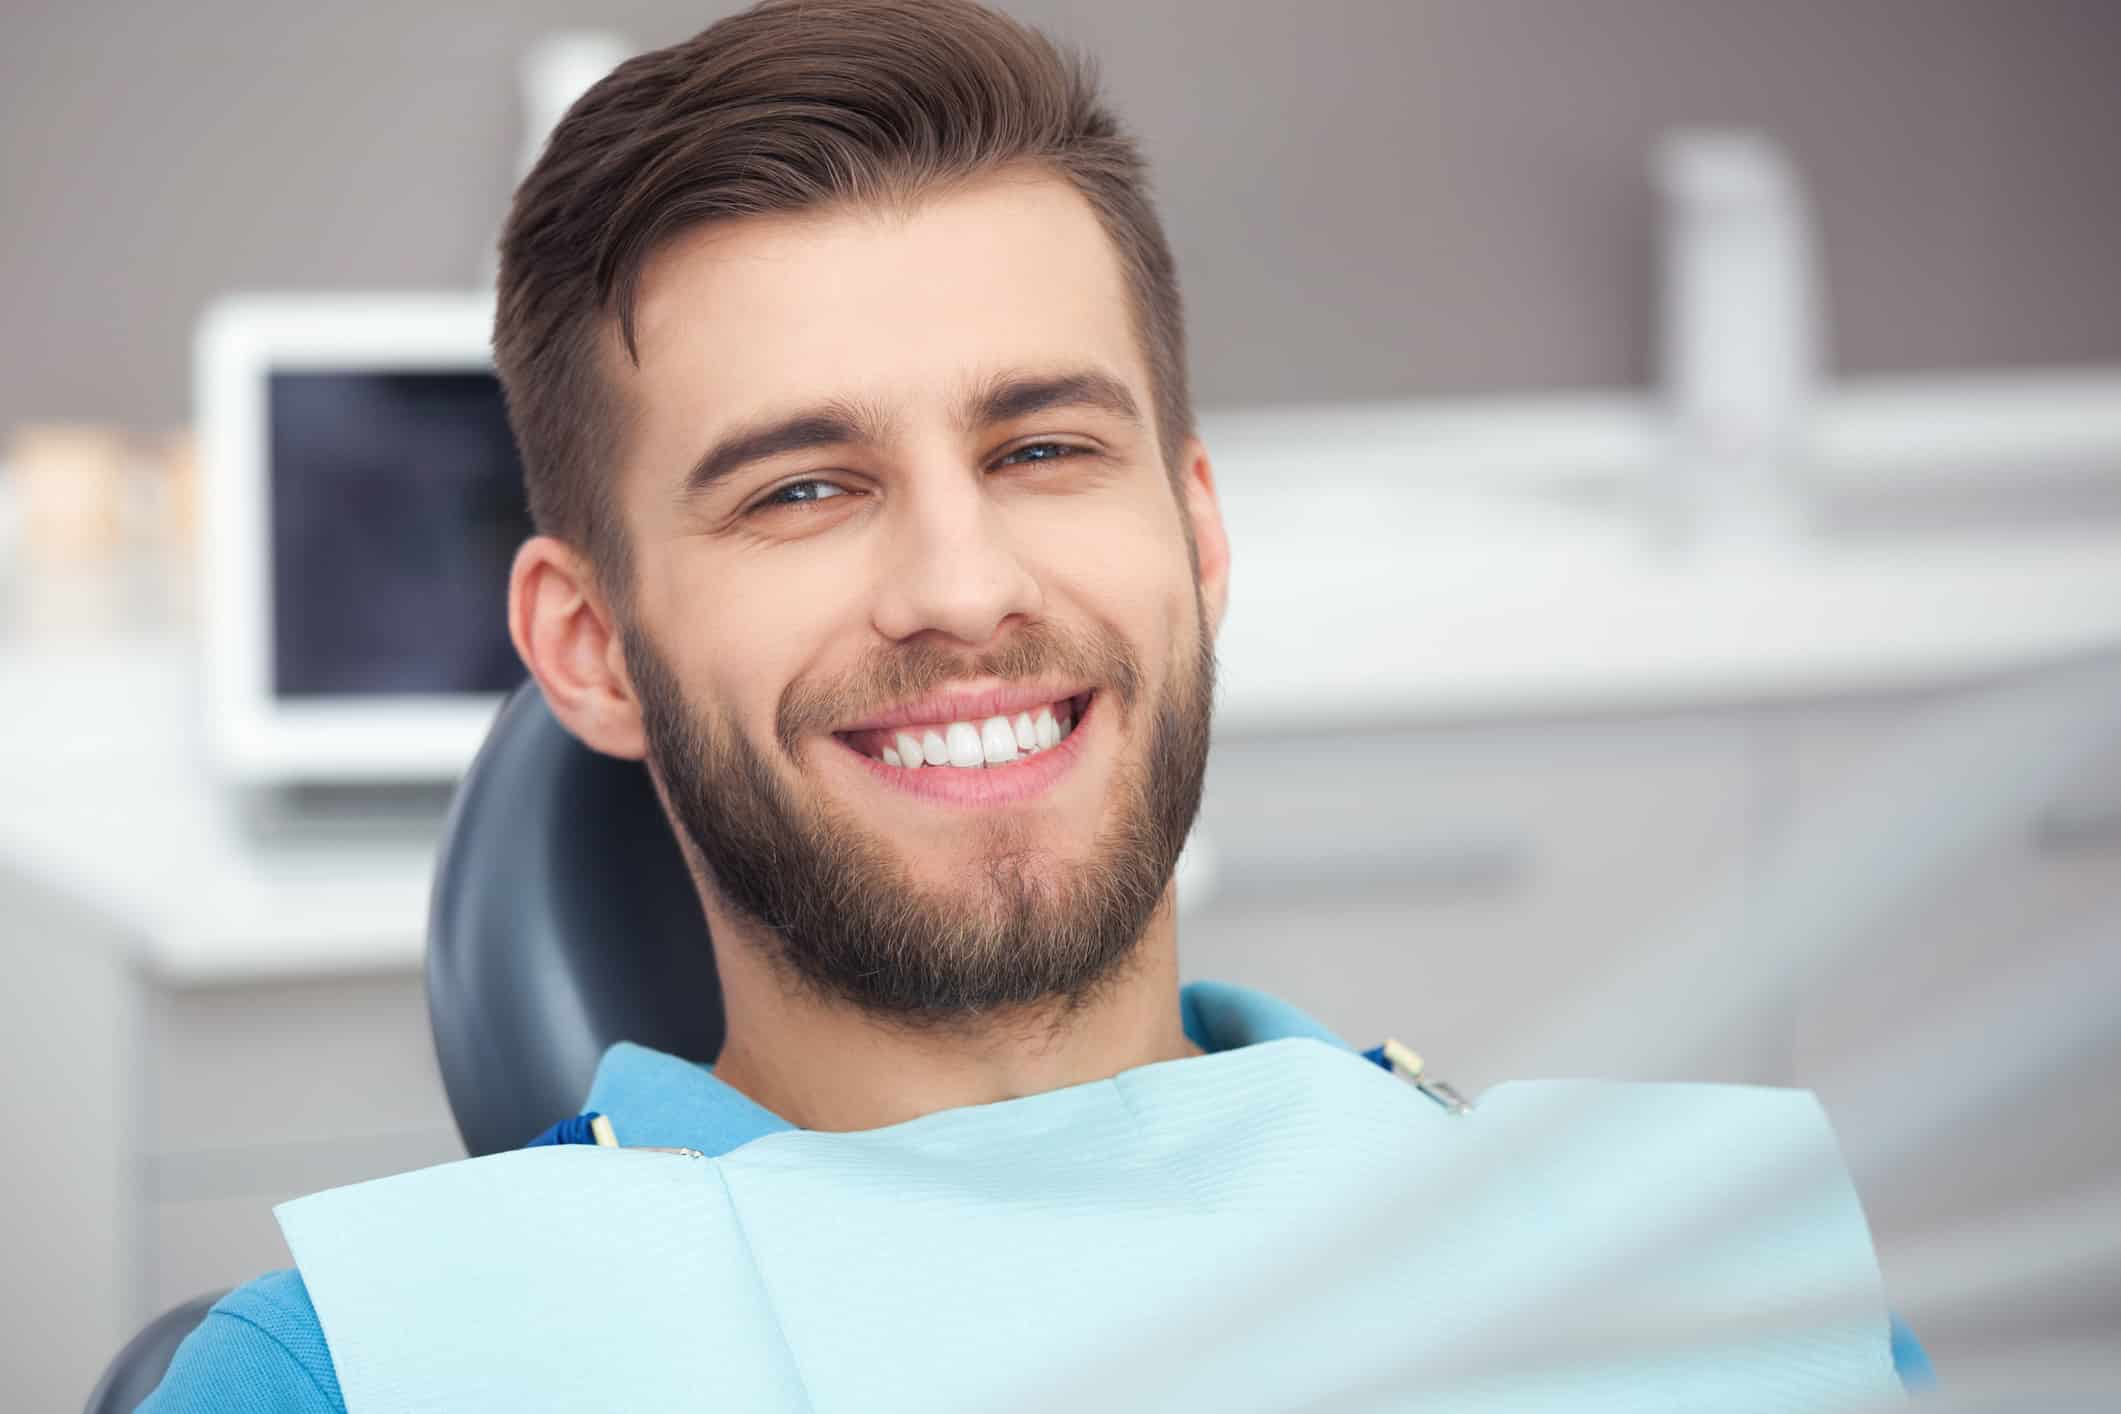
(562, 920)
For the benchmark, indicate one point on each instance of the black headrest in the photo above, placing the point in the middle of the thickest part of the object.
(563, 920)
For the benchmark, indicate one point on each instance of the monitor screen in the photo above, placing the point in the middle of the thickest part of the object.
(397, 504)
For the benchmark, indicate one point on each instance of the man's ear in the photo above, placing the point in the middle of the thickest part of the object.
(1211, 545)
(566, 635)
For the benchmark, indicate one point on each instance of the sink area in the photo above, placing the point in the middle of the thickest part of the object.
(1751, 530)
(1421, 561)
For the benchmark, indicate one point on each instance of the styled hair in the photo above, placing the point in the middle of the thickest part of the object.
(791, 106)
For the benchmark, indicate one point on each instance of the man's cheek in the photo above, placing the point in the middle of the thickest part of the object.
(1122, 558)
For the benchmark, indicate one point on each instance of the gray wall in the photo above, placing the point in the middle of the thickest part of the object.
(1369, 197)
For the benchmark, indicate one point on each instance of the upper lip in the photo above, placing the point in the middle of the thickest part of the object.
(971, 704)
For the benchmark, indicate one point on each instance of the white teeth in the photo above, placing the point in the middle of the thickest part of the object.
(998, 741)
(965, 745)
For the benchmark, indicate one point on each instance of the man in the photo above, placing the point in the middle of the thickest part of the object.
(845, 354)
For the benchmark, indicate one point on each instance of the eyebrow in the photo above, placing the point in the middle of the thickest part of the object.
(839, 423)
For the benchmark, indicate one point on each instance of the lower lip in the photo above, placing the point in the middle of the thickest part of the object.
(977, 787)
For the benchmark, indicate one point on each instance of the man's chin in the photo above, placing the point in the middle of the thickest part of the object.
(997, 875)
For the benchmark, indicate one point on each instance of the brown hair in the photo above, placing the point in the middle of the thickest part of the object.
(791, 106)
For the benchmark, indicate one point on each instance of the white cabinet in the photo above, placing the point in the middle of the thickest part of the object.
(1487, 894)
(157, 1126)
(261, 1093)
(268, 1067)
(1966, 1034)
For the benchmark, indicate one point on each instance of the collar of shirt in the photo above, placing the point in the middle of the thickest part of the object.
(657, 1099)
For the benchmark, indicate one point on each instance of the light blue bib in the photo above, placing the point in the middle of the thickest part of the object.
(1278, 1227)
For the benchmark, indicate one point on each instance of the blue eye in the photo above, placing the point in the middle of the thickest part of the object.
(1045, 452)
(799, 493)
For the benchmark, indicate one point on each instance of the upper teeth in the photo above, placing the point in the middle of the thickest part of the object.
(993, 742)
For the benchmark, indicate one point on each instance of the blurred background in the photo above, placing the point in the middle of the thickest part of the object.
(1673, 456)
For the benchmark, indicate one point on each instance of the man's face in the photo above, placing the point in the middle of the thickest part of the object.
(893, 485)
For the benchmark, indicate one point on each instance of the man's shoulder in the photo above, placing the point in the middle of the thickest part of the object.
(260, 1347)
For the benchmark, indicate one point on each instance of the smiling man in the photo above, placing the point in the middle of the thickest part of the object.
(915, 635)
(845, 354)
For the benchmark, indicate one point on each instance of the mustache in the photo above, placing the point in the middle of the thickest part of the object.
(889, 675)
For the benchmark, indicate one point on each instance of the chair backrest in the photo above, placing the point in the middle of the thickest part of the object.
(563, 920)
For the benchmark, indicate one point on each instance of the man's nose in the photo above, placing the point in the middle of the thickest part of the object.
(952, 567)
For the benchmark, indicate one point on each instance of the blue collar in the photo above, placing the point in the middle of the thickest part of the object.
(654, 1098)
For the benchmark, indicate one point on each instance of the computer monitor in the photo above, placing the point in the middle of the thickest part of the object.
(362, 501)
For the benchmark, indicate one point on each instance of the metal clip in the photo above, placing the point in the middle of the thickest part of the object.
(1408, 1065)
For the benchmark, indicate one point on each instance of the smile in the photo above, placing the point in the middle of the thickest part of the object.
(972, 744)
(984, 761)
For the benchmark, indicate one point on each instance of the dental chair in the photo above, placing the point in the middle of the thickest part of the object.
(562, 920)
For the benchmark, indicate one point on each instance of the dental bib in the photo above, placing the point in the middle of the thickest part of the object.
(1276, 1227)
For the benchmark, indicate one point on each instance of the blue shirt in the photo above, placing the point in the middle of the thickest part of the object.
(261, 1346)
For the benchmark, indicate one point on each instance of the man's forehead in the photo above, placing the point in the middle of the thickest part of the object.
(906, 308)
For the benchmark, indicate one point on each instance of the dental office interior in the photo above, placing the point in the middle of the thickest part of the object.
(1672, 458)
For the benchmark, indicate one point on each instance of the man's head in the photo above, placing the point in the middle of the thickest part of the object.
(845, 355)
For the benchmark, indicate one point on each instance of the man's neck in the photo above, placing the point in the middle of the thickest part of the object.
(824, 1065)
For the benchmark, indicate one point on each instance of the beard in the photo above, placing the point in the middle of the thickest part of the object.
(839, 910)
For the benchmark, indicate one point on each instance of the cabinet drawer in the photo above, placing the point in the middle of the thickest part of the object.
(1469, 889)
(1998, 961)
(2033, 877)
(236, 1067)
